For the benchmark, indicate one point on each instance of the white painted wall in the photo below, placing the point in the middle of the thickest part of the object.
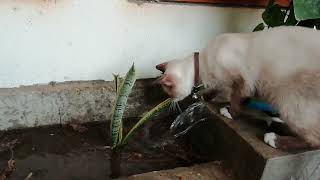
(63, 40)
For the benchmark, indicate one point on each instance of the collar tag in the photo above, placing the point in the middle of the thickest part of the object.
(195, 91)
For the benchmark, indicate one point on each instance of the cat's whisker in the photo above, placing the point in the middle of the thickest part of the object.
(174, 107)
(171, 107)
(178, 106)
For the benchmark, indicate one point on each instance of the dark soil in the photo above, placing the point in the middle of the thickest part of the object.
(59, 152)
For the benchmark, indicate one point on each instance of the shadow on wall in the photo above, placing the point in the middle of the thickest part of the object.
(237, 20)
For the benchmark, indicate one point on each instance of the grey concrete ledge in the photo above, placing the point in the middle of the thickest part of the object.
(243, 150)
(207, 171)
(58, 103)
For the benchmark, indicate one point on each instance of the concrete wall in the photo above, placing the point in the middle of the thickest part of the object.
(63, 40)
(60, 103)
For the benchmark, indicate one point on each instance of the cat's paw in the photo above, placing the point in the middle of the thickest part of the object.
(269, 121)
(276, 119)
(225, 112)
(270, 139)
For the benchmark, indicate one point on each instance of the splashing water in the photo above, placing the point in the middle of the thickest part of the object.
(194, 114)
(189, 123)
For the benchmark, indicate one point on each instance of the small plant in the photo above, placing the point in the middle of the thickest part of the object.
(300, 13)
(123, 89)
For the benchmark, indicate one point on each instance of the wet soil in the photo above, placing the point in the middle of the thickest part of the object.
(59, 152)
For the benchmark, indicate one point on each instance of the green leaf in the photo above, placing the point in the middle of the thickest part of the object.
(120, 104)
(306, 9)
(150, 114)
(117, 82)
(273, 16)
(259, 27)
(291, 20)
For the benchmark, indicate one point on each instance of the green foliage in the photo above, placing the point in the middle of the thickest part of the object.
(123, 92)
(306, 9)
(150, 114)
(123, 89)
(291, 20)
(259, 27)
(273, 15)
(300, 13)
(117, 82)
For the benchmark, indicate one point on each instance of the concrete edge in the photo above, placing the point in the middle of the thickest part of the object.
(206, 171)
(304, 165)
(59, 103)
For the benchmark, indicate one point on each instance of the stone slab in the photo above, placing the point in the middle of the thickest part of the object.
(58, 103)
(242, 148)
(207, 171)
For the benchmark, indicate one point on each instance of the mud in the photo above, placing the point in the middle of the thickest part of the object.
(59, 152)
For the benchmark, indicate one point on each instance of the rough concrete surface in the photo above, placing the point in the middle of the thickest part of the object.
(56, 103)
(208, 171)
(301, 166)
(240, 143)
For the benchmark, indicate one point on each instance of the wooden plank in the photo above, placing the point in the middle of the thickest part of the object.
(250, 3)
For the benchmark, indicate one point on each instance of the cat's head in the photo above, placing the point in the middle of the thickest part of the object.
(177, 79)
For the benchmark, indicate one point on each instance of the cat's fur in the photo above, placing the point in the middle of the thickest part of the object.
(281, 64)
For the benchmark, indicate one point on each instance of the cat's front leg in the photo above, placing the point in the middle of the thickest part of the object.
(210, 94)
(287, 143)
(238, 94)
(235, 101)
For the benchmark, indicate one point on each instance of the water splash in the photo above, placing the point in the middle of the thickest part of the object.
(194, 114)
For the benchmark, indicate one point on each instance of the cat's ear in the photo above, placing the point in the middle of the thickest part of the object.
(162, 67)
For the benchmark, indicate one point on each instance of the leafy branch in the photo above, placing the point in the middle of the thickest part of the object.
(300, 13)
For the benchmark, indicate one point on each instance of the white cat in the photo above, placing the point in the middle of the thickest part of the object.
(281, 65)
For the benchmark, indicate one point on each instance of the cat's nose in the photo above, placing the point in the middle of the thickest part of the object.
(161, 67)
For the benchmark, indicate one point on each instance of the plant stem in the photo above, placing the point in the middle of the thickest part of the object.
(115, 163)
